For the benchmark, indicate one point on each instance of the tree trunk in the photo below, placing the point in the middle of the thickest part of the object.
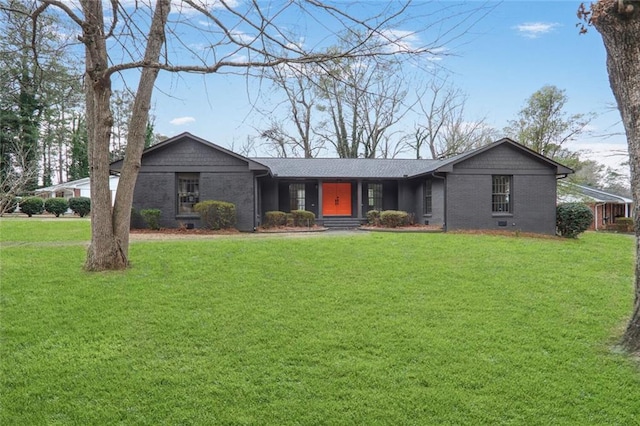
(138, 127)
(619, 25)
(110, 227)
(104, 252)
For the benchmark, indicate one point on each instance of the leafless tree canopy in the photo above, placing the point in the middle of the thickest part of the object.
(207, 36)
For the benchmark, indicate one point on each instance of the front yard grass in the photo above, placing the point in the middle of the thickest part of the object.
(361, 329)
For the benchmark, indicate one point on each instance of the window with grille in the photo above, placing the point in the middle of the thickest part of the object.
(501, 194)
(296, 196)
(188, 192)
(428, 201)
(374, 195)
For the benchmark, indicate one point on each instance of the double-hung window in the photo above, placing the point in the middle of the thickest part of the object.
(188, 192)
(501, 194)
(374, 196)
(296, 196)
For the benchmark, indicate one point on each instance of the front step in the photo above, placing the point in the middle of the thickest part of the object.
(340, 222)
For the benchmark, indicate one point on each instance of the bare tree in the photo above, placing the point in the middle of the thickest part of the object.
(17, 176)
(296, 82)
(236, 37)
(618, 22)
(362, 98)
(444, 129)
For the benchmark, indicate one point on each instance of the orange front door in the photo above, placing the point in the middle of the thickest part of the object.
(336, 199)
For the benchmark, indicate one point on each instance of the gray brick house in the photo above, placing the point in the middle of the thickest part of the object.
(503, 185)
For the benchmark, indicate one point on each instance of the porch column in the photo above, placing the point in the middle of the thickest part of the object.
(319, 183)
(359, 199)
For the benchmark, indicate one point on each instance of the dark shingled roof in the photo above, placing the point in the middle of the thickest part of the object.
(358, 168)
(348, 167)
(575, 192)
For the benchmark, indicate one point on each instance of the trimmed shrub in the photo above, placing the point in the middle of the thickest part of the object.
(624, 224)
(216, 214)
(151, 217)
(393, 218)
(303, 218)
(573, 219)
(32, 205)
(288, 219)
(56, 206)
(80, 205)
(373, 217)
(274, 219)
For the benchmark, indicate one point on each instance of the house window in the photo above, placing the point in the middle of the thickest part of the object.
(296, 196)
(188, 192)
(428, 201)
(501, 194)
(374, 195)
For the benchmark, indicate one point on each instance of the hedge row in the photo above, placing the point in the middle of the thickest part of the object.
(388, 218)
(297, 218)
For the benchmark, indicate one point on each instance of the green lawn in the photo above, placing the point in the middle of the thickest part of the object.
(365, 329)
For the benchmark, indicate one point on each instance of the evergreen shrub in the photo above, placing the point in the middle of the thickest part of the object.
(273, 219)
(373, 217)
(624, 224)
(80, 205)
(217, 214)
(393, 218)
(56, 206)
(303, 218)
(32, 205)
(573, 219)
(151, 217)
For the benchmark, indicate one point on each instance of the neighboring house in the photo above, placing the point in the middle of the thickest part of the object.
(503, 185)
(606, 207)
(75, 188)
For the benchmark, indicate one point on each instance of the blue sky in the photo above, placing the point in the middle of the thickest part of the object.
(513, 51)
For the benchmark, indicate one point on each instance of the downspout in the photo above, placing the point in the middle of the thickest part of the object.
(444, 204)
(256, 197)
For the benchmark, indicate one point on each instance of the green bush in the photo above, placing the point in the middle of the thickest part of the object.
(624, 224)
(393, 218)
(56, 206)
(274, 219)
(573, 219)
(151, 217)
(373, 217)
(32, 205)
(303, 218)
(216, 214)
(80, 205)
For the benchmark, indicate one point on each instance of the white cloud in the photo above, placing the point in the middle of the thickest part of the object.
(401, 40)
(535, 29)
(242, 37)
(181, 121)
(185, 9)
